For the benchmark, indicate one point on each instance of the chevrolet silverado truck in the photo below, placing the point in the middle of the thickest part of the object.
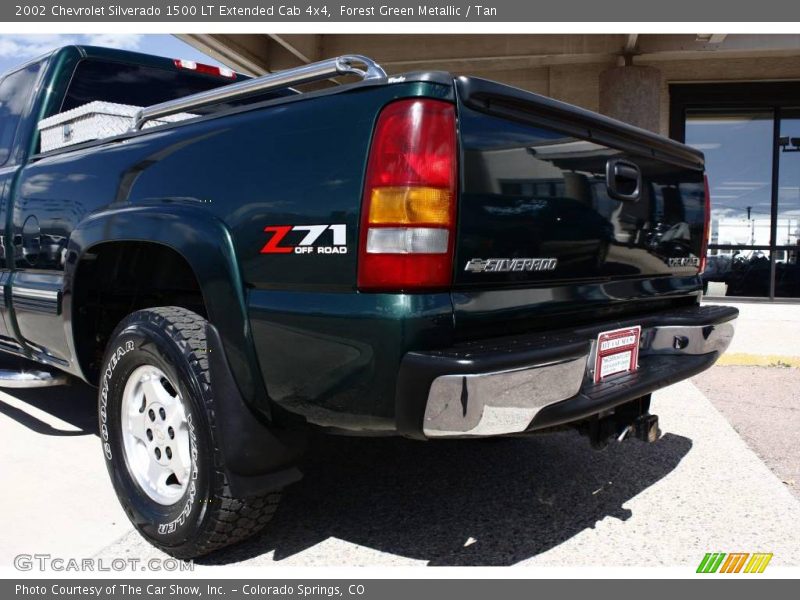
(420, 255)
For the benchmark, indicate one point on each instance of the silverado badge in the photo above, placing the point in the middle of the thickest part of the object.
(505, 265)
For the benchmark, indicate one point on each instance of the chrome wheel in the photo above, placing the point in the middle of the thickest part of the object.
(155, 434)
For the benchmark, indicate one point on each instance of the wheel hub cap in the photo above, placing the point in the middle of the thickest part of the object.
(155, 433)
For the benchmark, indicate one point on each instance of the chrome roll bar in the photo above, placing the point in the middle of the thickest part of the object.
(341, 65)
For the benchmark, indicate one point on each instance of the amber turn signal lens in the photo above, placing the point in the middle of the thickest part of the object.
(410, 205)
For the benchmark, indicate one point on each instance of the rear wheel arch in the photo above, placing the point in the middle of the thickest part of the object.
(202, 245)
(108, 284)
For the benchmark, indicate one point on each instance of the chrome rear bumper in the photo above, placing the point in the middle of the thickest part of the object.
(508, 401)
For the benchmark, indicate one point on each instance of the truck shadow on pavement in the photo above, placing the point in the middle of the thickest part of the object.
(75, 405)
(494, 502)
(471, 502)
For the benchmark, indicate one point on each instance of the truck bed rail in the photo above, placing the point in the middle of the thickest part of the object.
(342, 65)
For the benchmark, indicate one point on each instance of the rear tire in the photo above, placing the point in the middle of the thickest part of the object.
(158, 429)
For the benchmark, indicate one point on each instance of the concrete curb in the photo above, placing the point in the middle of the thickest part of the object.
(741, 359)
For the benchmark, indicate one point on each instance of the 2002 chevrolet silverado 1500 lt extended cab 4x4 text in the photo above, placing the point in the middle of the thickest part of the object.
(423, 255)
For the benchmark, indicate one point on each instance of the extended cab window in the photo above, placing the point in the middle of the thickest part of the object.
(140, 85)
(15, 94)
(126, 83)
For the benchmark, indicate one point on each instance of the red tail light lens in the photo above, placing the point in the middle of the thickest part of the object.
(409, 204)
(706, 226)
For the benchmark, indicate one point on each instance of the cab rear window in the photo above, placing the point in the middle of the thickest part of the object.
(143, 85)
(126, 83)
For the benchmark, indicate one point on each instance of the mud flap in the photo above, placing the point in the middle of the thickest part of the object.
(259, 458)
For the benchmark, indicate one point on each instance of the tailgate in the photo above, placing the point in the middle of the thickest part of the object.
(550, 193)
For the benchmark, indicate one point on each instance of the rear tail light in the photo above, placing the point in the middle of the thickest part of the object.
(706, 226)
(190, 65)
(409, 205)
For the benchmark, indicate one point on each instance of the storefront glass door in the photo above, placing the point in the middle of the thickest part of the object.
(787, 272)
(750, 135)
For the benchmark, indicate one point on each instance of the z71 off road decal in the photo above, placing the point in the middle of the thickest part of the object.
(306, 239)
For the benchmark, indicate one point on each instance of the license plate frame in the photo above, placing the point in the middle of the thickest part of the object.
(617, 351)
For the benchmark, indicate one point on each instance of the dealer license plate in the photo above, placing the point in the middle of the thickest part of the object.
(617, 352)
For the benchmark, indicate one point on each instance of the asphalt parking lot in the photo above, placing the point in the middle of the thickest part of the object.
(719, 479)
(765, 413)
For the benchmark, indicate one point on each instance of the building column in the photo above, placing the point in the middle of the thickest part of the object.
(632, 94)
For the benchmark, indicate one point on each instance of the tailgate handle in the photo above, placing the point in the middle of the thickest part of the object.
(623, 180)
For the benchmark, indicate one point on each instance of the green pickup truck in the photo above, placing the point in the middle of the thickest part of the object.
(419, 255)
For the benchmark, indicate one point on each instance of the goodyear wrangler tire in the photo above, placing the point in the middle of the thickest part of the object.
(157, 425)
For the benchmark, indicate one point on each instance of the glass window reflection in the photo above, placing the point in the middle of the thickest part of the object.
(738, 150)
(15, 92)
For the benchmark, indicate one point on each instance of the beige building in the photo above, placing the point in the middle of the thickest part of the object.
(736, 97)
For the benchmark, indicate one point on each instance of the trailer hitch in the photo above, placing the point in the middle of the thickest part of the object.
(631, 419)
(644, 428)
